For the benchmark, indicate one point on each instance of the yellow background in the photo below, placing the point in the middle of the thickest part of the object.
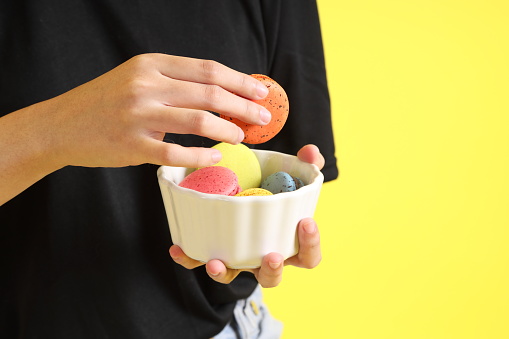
(415, 231)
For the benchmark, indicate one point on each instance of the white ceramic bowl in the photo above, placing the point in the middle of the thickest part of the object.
(240, 231)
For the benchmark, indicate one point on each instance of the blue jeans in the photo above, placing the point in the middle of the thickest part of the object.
(252, 320)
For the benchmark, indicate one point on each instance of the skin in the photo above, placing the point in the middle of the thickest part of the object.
(120, 118)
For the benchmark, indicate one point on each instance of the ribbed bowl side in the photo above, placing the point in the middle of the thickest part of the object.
(239, 230)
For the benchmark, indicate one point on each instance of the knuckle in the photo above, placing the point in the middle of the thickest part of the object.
(138, 85)
(135, 92)
(210, 70)
(142, 61)
(200, 122)
(166, 155)
(244, 82)
(212, 96)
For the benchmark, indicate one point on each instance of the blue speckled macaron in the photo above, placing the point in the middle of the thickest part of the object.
(280, 182)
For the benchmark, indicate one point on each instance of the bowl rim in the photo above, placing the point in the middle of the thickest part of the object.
(317, 180)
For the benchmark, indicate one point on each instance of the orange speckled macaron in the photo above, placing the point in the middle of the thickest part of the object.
(276, 102)
(253, 192)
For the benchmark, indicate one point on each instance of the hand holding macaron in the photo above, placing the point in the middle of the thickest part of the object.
(270, 272)
(276, 102)
(120, 118)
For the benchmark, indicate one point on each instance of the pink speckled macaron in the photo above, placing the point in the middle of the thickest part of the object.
(212, 180)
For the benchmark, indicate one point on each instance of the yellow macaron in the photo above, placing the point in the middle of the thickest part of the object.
(241, 160)
(253, 192)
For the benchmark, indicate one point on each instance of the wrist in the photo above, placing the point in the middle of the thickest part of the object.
(42, 139)
(25, 149)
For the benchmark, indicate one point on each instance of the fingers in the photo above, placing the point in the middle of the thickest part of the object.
(190, 121)
(181, 258)
(162, 153)
(215, 268)
(211, 73)
(312, 155)
(310, 253)
(213, 97)
(206, 85)
(270, 273)
(220, 273)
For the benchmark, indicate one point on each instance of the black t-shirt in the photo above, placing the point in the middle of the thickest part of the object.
(84, 251)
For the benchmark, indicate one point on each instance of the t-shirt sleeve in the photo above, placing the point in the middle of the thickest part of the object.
(296, 62)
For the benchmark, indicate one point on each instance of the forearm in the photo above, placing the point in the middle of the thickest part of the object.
(26, 154)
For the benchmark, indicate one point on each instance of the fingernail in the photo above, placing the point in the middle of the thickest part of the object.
(265, 116)
(275, 265)
(241, 136)
(261, 90)
(214, 274)
(309, 227)
(216, 156)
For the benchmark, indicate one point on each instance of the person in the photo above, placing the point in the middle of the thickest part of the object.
(94, 96)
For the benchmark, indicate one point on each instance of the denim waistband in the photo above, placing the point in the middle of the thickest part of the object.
(252, 320)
